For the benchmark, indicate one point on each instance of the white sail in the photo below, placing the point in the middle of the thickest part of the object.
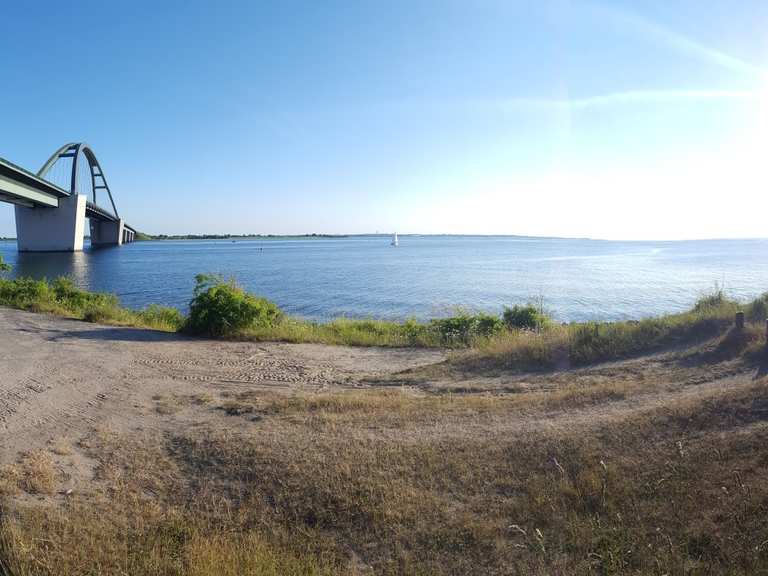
(395, 241)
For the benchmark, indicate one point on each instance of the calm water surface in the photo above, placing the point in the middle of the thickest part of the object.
(425, 276)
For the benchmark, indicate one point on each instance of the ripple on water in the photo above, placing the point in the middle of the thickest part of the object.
(425, 276)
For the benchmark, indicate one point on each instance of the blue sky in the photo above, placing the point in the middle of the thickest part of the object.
(601, 119)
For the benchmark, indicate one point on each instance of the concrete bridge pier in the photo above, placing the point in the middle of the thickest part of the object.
(43, 229)
(107, 233)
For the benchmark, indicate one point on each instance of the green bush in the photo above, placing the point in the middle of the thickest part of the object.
(464, 328)
(24, 293)
(220, 308)
(4, 267)
(486, 325)
(527, 317)
(453, 330)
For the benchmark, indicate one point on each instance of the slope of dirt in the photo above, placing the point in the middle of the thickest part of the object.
(61, 378)
(125, 450)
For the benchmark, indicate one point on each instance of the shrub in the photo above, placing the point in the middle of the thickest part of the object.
(464, 328)
(220, 308)
(527, 317)
(23, 293)
(4, 266)
(486, 325)
(454, 330)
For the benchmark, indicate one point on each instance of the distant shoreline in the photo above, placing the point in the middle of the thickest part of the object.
(140, 236)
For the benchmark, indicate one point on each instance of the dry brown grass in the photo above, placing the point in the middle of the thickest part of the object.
(388, 407)
(612, 500)
(34, 473)
(581, 344)
(10, 478)
(132, 536)
(61, 447)
(201, 398)
(402, 482)
(167, 404)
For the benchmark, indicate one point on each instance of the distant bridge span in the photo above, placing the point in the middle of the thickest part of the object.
(50, 217)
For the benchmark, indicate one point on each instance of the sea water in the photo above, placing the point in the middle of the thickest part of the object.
(423, 277)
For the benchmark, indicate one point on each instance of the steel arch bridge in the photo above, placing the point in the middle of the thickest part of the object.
(51, 216)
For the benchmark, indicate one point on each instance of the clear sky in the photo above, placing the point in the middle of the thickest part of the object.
(601, 119)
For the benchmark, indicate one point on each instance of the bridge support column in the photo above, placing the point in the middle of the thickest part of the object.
(59, 229)
(107, 233)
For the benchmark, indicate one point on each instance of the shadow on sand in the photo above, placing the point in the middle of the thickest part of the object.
(122, 334)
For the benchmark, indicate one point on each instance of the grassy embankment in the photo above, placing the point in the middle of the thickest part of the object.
(389, 482)
(522, 338)
(396, 482)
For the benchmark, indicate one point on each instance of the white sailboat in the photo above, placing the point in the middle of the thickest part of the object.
(395, 241)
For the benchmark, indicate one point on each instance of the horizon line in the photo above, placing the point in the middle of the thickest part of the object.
(221, 236)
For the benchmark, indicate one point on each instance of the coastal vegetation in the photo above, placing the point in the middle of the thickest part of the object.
(523, 337)
(63, 298)
(221, 308)
(145, 236)
(652, 465)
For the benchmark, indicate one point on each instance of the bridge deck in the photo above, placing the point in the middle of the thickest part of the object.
(22, 187)
(95, 211)
(19, 186)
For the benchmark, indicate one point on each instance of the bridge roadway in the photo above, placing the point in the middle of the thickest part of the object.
(50, 218)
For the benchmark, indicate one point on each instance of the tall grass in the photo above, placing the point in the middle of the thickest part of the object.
(63, 298)
(349, 332)
(587, 342)
(522, 338)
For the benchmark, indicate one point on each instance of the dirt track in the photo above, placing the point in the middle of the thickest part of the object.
(61, 378)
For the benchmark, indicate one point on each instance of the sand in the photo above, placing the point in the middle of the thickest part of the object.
(60, 378)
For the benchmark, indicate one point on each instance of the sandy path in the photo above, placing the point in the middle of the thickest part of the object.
(61, 378)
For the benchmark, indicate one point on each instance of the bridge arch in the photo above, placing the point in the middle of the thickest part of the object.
(77, 150)
(52, 217)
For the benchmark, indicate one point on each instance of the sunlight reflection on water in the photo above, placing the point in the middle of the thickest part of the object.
(425, 276)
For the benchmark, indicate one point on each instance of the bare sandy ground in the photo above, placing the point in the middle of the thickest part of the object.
(60, 379)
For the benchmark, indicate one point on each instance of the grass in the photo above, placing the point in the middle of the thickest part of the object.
(675, 489)
(580, 344)
(221, 309)
(141, 539)
(561, 480)
(34, 473)
(495, 343)
(349, 332)
(62, 298)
